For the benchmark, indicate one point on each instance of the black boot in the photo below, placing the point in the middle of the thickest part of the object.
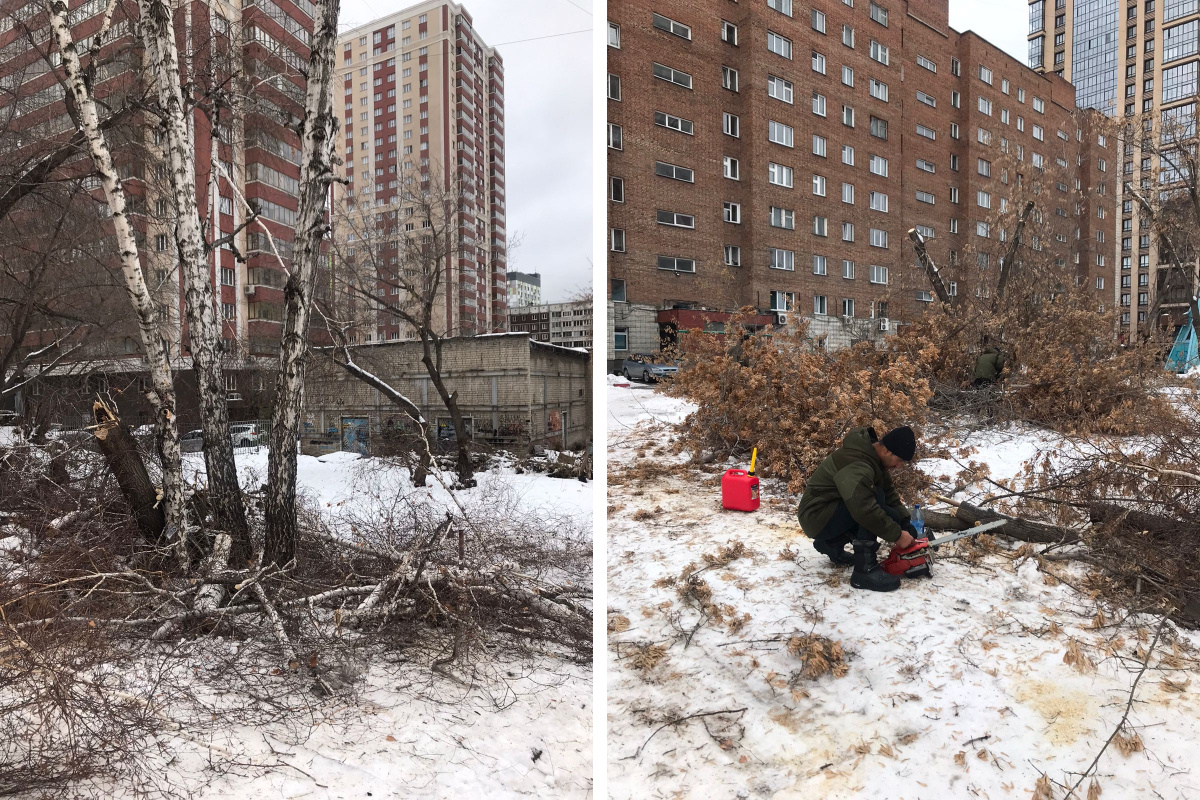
(867, 572)
(836, 550)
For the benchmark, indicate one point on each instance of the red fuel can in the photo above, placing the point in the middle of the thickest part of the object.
(739, 490)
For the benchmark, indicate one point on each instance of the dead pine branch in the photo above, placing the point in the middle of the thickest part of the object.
(679, 720)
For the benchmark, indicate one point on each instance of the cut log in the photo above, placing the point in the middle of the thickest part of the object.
(120, 452)
(967, 516)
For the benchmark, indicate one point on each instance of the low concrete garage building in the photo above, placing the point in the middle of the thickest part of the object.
(512, 391)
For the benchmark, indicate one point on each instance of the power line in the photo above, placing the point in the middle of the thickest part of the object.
(536, 38)
(581, 8)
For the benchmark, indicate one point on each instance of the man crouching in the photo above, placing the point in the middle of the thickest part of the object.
(850, 499)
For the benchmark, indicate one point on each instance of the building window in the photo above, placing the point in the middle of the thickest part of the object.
(618, 290)
(848, 36)
(818, 62)
(677, 264)
(848, 307)
(848, 155)
(674, 76)
(879, 14)
(228, 276)
(819, 265)
(926, 197)
(879, 238)
(819, 304)
(847, 269)
(879, 53)
(671, 26)
(673, 122)
(731, 124)
(925, 166)
(927, 132)
(676, 219)
(729, 33)
(879, 274)
(779, 45)
(729, 78)
(733, 255)
(927, 99)
(616, 239)
(783, 218)
(922, 61)
(879, 201)
(818, 104)
(782, 6)
(779, 88)
(847, 231)
(779, 175)
(616, 190)
(818, 21)
(782, 259)
(879, 90)
(621, 339)
(779, 133)
(732, 213)
(673, 171)
(847, 76)
(614, 87)
(783, 301)
(819, 145)
(879, 128)
(731, 168)
(614, 136)
(820, 226)
(848, 193)
(879, 166)
(614, 35)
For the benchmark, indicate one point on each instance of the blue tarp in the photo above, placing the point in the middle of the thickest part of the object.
(1183, 355)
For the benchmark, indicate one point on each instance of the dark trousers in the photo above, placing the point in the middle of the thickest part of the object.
(842, 528)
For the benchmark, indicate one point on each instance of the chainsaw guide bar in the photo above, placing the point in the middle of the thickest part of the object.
(916, 561)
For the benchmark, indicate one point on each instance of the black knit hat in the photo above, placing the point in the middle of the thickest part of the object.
(901, 441)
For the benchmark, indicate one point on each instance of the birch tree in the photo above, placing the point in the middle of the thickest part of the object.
(156, 26)
(318, 129)
(82, 105)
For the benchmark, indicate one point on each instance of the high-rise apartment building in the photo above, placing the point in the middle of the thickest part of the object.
(775, 155)
(423, 100)
(524, 289)
(1129, 59)
(256, 154)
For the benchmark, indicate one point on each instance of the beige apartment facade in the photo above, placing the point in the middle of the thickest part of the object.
(423, 99)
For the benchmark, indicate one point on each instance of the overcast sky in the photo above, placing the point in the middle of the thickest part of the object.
(547, 129)
(1004, 23)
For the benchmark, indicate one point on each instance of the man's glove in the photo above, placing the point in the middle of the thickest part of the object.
(912, 529)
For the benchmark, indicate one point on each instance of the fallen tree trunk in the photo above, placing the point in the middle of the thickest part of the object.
(120, 453)
(1155, 524)
(966, 516)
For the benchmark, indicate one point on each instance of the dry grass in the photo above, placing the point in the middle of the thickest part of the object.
(645, 657)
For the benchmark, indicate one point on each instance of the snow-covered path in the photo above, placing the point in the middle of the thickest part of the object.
(956, 686)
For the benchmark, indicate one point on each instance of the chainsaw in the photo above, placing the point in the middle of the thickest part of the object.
(916, 561)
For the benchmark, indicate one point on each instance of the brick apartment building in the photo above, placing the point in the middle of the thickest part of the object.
(258, 150)
(424, 97)
(1130, 58)
(563, 324)
(775, 155)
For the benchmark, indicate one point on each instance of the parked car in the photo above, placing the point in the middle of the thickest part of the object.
(244, 435)
(643, 368)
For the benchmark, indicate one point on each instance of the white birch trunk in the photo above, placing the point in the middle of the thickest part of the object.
(157, 28)
(148, 311)
(316, 172)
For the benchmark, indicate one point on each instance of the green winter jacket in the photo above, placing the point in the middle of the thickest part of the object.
(989, 364)
(852, 473)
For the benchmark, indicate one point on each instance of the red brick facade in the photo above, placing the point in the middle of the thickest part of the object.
(932, 152)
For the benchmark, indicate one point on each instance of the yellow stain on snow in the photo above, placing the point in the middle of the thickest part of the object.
(1067, 712)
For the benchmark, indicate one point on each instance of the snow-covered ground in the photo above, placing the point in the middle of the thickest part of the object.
(521, 729)
(956, 685)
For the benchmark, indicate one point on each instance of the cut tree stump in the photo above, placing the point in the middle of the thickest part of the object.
(120, 452)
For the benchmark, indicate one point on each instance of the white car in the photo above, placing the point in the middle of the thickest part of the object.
(244, 435)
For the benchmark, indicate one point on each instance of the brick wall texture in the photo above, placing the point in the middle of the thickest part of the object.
(1025, 140)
